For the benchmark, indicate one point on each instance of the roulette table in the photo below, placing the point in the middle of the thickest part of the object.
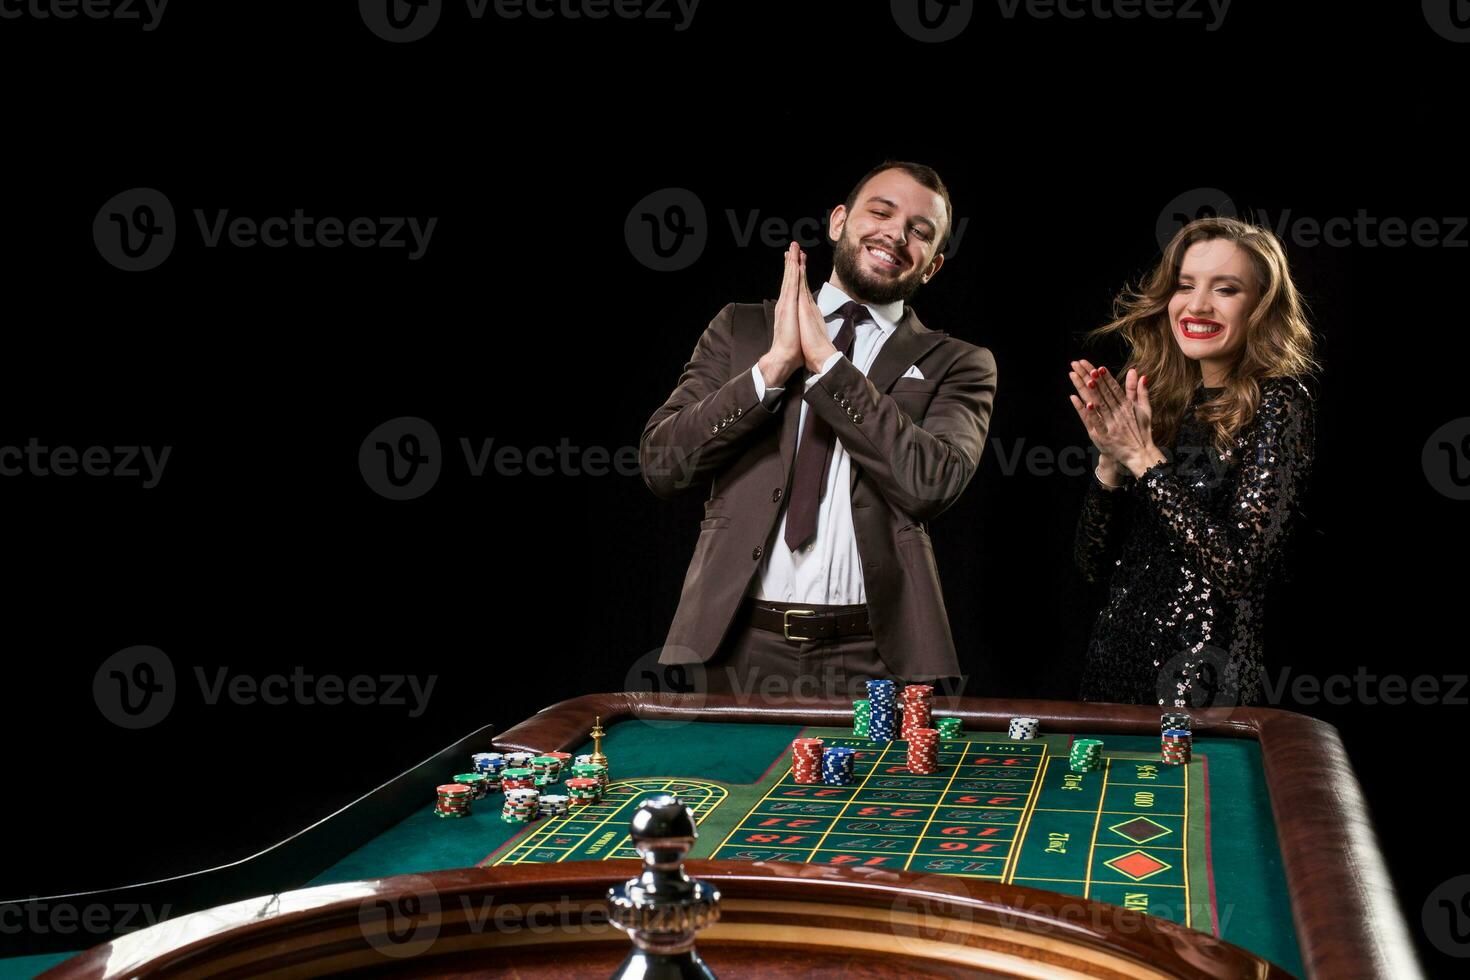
(1256, 858)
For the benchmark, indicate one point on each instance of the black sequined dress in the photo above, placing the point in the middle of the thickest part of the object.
(1187, 551)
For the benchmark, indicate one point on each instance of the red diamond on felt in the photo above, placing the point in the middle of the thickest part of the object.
(1138, 865)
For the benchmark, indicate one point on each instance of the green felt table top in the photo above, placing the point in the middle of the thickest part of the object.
(1242, 858)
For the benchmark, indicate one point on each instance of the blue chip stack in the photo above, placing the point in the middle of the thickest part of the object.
(883, 710)
(837, 765)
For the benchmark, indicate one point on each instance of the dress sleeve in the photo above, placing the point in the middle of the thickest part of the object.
(1244, 547)
(1101, 528)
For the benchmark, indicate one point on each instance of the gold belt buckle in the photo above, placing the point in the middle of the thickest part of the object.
(786, 622)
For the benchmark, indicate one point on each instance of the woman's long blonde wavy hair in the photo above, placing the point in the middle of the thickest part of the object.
(1278, 338)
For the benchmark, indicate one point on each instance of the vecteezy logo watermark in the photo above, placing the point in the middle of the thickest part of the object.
(405, 923)
(116, 461)
(1198, 202)
(683, 679)
(1200, 677)
(136, 230)
(934, 909)
(401, 459)
(667, 230)
(401, 21)
(1448, 19)
(932, 21)
(1446, 459)
(1362, 230)
(148, 13)
(1446, 917)
(136, 688)
(41, 918)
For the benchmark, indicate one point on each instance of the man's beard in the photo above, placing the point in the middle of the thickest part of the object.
(847, 260)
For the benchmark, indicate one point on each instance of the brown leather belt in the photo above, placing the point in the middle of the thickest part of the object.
(798, 621)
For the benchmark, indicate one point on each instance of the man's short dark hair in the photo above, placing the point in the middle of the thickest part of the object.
(927, 176)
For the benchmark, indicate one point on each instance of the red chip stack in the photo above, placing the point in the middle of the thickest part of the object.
(923, 757)
(917, 703)
(806, 760)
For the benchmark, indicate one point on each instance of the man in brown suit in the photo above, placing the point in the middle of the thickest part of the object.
(830, 428)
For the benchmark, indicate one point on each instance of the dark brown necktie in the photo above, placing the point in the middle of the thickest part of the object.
(814, 453)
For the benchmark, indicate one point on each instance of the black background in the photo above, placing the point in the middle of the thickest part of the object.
(531, 320)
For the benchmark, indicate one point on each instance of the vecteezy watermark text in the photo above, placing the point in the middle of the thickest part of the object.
(35, 459)
(136, 230)
(40, 917)
(137, 688)
(148, 13)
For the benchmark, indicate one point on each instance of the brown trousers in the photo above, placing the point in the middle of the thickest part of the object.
(754, 661)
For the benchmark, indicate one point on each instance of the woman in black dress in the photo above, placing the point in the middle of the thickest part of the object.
(1188, 540)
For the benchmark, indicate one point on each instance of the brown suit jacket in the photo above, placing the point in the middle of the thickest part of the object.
(914, 444)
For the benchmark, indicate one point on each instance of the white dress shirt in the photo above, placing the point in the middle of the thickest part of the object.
(827, 570)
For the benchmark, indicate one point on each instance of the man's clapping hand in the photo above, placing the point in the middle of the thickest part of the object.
(800, 334)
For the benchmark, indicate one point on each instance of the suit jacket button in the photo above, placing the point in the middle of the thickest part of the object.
(837, 396)
(858, 418)
(844, 403)
(714, 429)
(776, 494)
(756, 554)
(738, 411)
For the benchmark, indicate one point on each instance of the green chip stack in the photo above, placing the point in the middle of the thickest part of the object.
(478, 783)
(547, 767)
(948, 727)
(862, 714)
(1086, 755)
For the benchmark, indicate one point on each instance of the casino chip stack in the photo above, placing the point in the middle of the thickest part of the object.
(861, 715)
(923, 758)
(591, 770)
(806, 760)
(551, 806)
(837, 765)
(1023, 729)
(517, 779)
(547, 767)
(1086, 755)
(1177, 747)
(883, 710)
(948, 727)
(519, 760)
(521, 805)
(454, 800)
(583, 791)
(1174, 719)
(591, 760)
(918, 708)
(475, 781)
(489, 763)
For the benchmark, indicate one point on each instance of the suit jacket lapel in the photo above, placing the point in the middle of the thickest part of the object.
(909, 342)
